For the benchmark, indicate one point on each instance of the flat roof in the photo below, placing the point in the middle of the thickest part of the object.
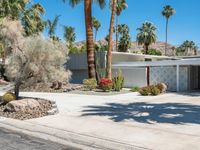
(193, 61)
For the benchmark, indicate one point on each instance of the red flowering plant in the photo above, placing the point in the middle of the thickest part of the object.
(106, 84)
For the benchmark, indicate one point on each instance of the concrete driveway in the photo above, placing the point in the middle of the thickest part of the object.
(127, 121)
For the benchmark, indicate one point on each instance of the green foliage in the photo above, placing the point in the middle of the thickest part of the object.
(125, 39)
(135, 89)
(168, 11)
(186, 47)
(69, 36)
(162, 87)
(145, 91)
(155, 91)
(150, 90)
(146, 35)
(29, 14)
(154, 52)
(118, 81)
(74, 50)
(106, 84)
(51, 26)
(8, 97)
(90, 83)
(121, 5)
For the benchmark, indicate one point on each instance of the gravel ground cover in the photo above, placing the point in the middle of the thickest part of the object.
(41, 111)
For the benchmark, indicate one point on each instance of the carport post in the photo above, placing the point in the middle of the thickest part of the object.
(177, 78)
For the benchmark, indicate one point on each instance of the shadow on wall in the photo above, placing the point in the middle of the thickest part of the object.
(174, 113)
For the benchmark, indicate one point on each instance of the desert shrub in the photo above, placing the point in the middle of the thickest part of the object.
(154, 52)
(38, 60)
(135, 89)
(145, 91)
(118, 81)
(106, 84)
(8, 97)
(150, 90)
(90, 83)
(162, 87)
(74, 50)
(155, 90)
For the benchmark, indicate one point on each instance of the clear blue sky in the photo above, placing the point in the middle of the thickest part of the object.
(184, 25)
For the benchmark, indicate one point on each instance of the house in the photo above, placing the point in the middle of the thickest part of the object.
(179, 73)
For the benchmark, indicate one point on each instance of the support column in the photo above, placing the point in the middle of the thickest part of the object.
(148, 75)
(177, 78)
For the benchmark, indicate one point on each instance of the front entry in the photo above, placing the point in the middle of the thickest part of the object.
(195, 78)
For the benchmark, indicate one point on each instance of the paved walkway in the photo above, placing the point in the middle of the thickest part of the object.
(127, 121)
(10, 140)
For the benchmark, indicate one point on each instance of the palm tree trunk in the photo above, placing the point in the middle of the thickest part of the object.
(110, 42)
(166, 32)
(95, 38)
(116, 33)
(146, 48)
(89, 38)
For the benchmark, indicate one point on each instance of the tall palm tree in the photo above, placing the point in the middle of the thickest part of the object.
(32, 20)
(96, 25)
(121, 5)
(110, 42)
(51, 26)
(146, 35)
(187, 46)
(69, 35)
(89, 31)
(167, 12)
(125, 39)
(12, 8)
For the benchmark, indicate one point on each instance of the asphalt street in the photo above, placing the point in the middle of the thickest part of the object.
(10, 140)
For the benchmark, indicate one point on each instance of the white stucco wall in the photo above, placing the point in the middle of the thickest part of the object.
(133, 76)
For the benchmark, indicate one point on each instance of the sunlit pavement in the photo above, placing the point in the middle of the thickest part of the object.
(127, 121)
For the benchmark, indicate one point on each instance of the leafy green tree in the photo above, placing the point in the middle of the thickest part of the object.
(51, 26)
(167, 12)
(146, 35)
(96, 25)
(69, 36)
(121, 5)
(89, 31)
(125, 39)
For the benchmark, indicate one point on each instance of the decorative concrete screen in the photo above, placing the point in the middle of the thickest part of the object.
(168, 75)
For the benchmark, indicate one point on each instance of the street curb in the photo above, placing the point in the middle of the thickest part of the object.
(78, 140)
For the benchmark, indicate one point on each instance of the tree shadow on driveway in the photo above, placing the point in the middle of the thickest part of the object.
(174, 113)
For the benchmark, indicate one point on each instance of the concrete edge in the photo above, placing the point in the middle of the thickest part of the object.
(78, 140)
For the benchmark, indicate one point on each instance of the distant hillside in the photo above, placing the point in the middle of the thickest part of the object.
(135, 48)
(158, 45)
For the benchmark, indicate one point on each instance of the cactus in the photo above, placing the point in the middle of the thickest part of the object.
(8, 97)
(118, 81)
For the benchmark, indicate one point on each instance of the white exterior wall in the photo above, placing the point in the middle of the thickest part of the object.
(133, 76)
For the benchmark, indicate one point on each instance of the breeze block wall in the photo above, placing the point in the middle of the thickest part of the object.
(167, 75)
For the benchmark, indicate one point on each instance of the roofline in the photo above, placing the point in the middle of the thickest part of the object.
(157, 63)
